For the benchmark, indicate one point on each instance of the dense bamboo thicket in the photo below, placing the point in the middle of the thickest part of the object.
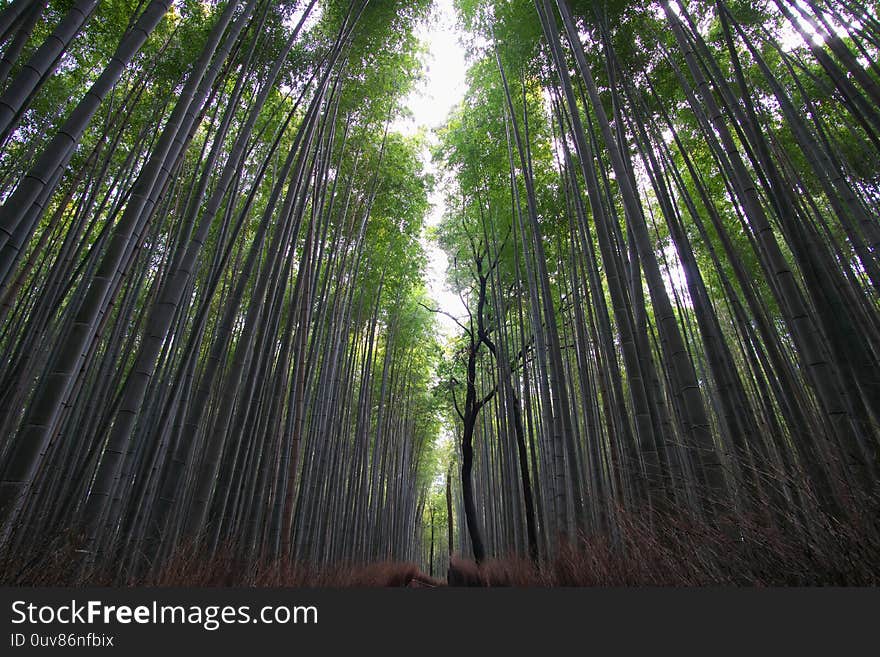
(210, 281)
(219, 355)
(663, 217)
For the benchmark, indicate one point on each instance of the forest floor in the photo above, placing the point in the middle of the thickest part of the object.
(647, 551)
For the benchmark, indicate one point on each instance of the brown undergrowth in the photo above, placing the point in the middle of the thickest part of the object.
(66, 564)
(680, 550)
(646, 550)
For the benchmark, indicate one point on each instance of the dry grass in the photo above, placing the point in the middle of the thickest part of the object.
(66, 565)
(189, 571)
(647, 550)
(683, 551)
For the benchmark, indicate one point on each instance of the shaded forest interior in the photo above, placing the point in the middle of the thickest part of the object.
(220, 362)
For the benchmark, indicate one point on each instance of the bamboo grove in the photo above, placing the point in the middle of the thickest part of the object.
(663, 219)
(211, 273)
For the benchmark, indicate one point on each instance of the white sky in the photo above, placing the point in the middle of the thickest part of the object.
(440, 91)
